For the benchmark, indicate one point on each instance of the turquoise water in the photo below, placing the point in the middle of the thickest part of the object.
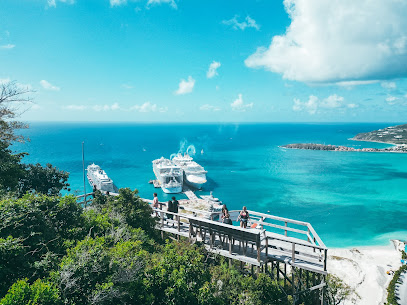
(351, 198)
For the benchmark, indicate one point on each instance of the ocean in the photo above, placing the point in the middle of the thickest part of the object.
(350, 198)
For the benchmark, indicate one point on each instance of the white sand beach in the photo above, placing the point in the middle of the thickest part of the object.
(364, 268)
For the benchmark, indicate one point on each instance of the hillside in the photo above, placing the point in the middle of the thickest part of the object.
(393, 134)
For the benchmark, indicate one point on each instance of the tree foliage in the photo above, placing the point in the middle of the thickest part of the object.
(33, 233)
(12, 97)
(45, 180)
(39, 293)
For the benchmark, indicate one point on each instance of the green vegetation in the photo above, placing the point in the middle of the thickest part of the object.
(392, 299)
(391, 290)
(393, 134)
(53, 250)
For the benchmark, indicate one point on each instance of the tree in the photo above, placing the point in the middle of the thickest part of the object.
(101, 271)
(34, 231)
(47, 180)
(337, 291)
(11, 170)
(39, 293)
(12, 96)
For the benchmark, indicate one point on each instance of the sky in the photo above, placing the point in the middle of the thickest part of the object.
(207, 61)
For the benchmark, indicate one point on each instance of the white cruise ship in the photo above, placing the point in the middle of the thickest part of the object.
(195, 174)
(99, 178)
(169, 175)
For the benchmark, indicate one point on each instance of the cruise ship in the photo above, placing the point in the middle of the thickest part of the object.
(195, 174)
(98, 177)
(169, 175)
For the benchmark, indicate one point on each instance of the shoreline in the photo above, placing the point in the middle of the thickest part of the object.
(365, 269)
(394, 144)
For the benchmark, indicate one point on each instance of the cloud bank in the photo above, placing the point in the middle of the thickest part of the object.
(314, 104)
(339, 41)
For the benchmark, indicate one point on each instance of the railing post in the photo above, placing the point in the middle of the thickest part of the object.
(293, 253)
(325, 258)
(262, 219)
(309, 234)
(285, 232)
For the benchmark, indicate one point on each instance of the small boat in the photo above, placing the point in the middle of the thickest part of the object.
(211, 199)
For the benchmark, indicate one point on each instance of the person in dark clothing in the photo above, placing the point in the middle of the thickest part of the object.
(175, 204)
(170, 208)
(227, 220)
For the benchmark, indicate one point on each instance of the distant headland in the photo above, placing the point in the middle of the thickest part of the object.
(396, 135)
(392, 135)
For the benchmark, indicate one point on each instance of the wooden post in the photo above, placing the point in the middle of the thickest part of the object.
(285, 231)
(293, 253)
(325, 258)
(293, 284)
(323, 291)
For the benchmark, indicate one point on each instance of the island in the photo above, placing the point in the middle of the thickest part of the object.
(392, 135)
(395, 135)
(314, 146)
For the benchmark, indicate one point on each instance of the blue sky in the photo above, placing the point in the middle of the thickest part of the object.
(207, 61)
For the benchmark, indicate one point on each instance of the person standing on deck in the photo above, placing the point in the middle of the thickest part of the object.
(170, 208)
(243, 217)
(175, 204)
(155, 203)
(225, 212)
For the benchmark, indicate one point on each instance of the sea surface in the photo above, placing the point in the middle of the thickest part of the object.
(350, 198)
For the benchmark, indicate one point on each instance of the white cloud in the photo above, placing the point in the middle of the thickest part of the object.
(332, 101)
(75, 107)
(148, 107)
(239, 105)
(208, 107)
(212, 69)
(389, 85)
(185, 86)
(353, 83)
(7, 46)
(53, 3)
(117, 2)
(47, 86)
(156, 2)
(339, 41)
(24, 87)
(314, 104)
(246, 23)
(112, 107)
(311, 106)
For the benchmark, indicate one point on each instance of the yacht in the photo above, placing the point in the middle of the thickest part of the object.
(211, 199)
(194, 174)
(98, 177)
(169, 175)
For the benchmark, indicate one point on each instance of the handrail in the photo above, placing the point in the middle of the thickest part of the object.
(310, 234)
